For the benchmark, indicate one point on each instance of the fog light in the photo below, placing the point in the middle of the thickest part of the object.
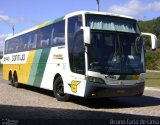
(93, 94)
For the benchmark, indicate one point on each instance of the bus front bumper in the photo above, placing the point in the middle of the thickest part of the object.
(100, 90)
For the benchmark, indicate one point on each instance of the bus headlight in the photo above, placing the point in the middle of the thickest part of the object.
(95, 80)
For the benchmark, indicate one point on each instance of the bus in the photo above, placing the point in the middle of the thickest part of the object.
(87, 54)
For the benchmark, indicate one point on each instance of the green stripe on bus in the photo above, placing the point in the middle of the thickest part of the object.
(41, 67)
(34, 67)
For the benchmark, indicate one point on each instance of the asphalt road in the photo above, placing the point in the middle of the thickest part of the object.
(29, 105)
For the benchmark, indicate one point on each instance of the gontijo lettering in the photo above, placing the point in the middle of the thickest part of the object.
(18, 57)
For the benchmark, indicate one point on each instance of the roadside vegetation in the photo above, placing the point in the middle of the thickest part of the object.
(153, 79)
(152, 57)
(153, 60)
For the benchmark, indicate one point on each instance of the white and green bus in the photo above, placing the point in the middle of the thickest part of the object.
(86, 54)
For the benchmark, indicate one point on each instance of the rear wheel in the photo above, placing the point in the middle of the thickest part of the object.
(15, 81)
(11, 79)
(58, 89)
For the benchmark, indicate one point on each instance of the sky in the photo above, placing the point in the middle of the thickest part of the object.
(24, 14)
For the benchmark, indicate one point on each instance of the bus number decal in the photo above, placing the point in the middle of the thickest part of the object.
(6, 58)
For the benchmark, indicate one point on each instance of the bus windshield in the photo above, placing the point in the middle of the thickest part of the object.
(115, 51)
(100, 22)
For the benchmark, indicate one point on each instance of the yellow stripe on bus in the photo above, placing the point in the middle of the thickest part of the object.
(23, 70)
(6, 69)
(26, 68)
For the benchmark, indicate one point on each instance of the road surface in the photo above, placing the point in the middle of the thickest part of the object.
(29, 105)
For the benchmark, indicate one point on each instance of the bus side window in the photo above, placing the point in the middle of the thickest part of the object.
(39, 39)
(57, 34)
(21, 44)
(6, 47)
(15, 45)
(29, 42)
(52, 36)
(45, 43)
(32, 41)
(17, 48)
(43, 39)
(25, 47)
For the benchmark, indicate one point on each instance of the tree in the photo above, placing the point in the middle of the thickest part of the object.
(152, 26)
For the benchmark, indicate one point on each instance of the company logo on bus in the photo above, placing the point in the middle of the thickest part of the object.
(74, 85)
(57, 56)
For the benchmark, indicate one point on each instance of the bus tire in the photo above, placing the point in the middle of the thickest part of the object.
(15, 81)
(141, 94)
(58, 89)
(11, 79)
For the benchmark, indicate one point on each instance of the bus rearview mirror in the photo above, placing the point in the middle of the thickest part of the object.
(153, 39)
(87, 35)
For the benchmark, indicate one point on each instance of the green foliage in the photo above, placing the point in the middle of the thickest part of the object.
(158, 41)
(147, 42)
(151, 26)
(152, 58)
(152, 79)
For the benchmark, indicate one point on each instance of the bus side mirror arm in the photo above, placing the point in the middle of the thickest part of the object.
(153, 39)
(87, 35)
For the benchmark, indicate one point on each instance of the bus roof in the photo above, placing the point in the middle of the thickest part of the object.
(67, 16)
(97, 13)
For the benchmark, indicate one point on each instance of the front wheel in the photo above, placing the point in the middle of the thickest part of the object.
(58, 89)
